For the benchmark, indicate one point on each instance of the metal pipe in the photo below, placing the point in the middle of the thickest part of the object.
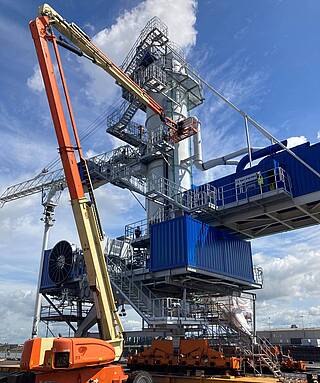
(48, 223)
(267, 151)
(248, 140)
(224, 160)
(271, 137)
(259, 127)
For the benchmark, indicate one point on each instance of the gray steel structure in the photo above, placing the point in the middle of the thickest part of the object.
(151, 165)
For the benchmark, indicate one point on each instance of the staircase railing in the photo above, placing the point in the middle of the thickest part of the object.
(155, 31)
(138, 296)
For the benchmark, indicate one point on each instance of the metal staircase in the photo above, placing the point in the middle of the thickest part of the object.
(268, 357)
(259, 356)
(139, 297)
(154, 33)
(257, 353)
(156, 311)
(120, 125)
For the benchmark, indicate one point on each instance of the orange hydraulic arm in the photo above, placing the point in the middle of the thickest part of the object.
(39, 33)
(85, 47)
(85, 212)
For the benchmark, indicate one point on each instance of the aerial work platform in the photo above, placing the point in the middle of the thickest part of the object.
(276, 195)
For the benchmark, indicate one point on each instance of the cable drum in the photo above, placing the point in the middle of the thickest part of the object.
(61, 262)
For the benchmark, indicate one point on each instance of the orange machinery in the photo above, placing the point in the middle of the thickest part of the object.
(287, 363)
(67, 360)
(290, 365)
(192, 354)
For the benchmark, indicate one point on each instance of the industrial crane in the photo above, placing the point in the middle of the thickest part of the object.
(76, 359)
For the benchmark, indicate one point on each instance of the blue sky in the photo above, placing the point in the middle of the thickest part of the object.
(263, 55)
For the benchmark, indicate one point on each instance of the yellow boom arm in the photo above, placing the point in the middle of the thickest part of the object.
(85, 212)
(83, 42)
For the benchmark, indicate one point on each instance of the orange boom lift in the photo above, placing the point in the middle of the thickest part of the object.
(76, 360)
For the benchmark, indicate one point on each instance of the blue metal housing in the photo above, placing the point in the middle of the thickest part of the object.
(77, 273)
(186, 242)
(302, 180)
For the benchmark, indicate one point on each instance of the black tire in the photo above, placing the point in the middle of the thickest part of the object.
(139, 377)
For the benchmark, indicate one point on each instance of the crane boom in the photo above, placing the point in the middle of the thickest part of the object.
(83, 42)
(85, 212)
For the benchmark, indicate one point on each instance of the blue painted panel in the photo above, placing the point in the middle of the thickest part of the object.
(184, 241)
(46, 282)
(76, 274)
(303, 181)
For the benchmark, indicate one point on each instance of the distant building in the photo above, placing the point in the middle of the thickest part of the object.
(292, 336)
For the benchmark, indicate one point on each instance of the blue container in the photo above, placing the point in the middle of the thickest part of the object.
(184, 241)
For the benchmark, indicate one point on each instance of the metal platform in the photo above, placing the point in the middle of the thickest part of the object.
(266, 216)
(172, 281)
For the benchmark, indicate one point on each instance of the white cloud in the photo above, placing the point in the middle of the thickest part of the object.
(89, 27)
(294, 276)
(291, 271)
(116, 41)
(35, 82)
(295, 141)
(16, 309)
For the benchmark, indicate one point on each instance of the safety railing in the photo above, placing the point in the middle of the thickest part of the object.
(204, 197)
(200, 197)
(159, 139)
(160, 187)
(123, 174)
(140, 229)
(136, 130)
(258, 275)
(152, 78)
(122, 154)
(170, 308)
(188, 200)
(155, 31)
(253, 185)
(137, 230)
